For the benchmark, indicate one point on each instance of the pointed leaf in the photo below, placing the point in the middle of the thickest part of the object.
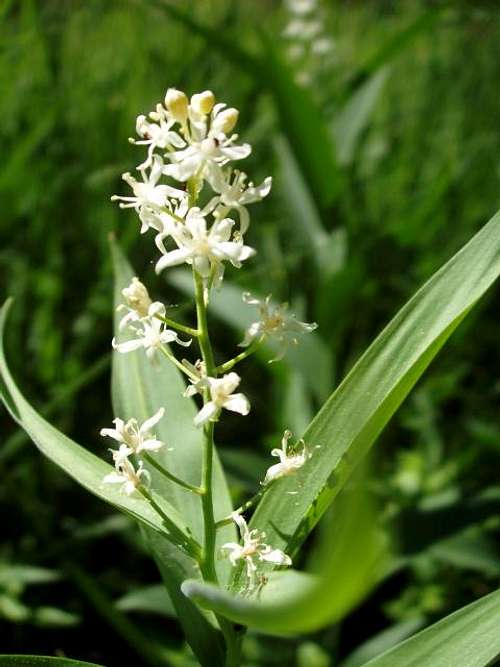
(358, 410)
(468, 638)
(80, 464)
(41, 661)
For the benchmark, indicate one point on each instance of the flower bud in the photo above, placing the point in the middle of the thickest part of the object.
(203, 102)
(137, 297)
(226, 120)
(177, 103)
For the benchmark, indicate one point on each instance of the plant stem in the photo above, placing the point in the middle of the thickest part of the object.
(243, 508)
(173, 478)
(223, 368)
(177, 363)
(180, 327)
(188, 543)
(208, 566)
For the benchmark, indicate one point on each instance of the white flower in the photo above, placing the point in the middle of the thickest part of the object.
(157, 134)
(126, 474)
(138, 304)
(133, 437)
(221, 395)
(235, 194)
(151, 337)
(252, 549)
(290, 460)
(276, 323)
(148, 194)
(209, 146)
(206, 249)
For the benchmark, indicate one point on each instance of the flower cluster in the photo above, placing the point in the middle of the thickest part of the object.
(133, 439)
(145, 319)
(191, 143)
(310, 46)
(253, 549)
(190, 197)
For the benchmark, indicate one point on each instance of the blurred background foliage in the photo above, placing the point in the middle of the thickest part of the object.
(379, 123)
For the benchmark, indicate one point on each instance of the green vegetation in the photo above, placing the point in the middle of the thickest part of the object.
(385, 159)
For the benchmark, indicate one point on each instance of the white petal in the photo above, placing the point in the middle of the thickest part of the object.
(237, 152)
(151, 445)
(238, 403)
(128, 346)
(172, 258)
(113, 478)
(208, 411)
(111, 433)
(274, 472)
(276, 557)
(149, 423)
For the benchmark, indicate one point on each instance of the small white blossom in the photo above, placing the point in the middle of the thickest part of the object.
(151, 337)
(206, 249)
(209, 146)
(233, 193)
(138, 304)
(276, 323)
(221, 395)
(252, 549)
(148, 194)
(133, 437)
(126, 474)
(291, 460)
(157, 134)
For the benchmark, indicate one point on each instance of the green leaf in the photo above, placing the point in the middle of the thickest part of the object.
(355, 414)
(80, 464)
(355, 115)
(347, 564)
(149, 599)
(383, 641)
(41, 661)
(139, 389)
(468, 638)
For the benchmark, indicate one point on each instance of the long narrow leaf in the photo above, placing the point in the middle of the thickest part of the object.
(80, 464)
(358, 410)
(467, 638)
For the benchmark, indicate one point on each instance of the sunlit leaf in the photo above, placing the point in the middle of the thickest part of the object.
(358, 410)
(468, 638)
(80, 464)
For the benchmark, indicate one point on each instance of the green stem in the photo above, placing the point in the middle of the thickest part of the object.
(177, 363)
(188, 543)
(173, 478)
(208, 567)
(180, 327)
(243, 508)
(225, 367)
